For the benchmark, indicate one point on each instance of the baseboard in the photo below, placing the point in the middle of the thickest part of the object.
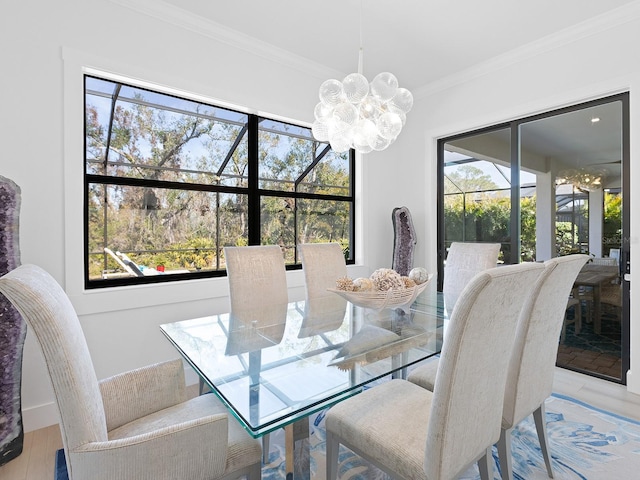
(35, 418)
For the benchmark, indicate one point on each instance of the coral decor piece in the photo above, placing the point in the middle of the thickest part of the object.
(387, 279)
(13, 329)
(404, 240)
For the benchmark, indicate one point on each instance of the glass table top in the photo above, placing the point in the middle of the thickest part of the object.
(274, 366)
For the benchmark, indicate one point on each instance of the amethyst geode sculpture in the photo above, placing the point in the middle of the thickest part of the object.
(13, 329)
(404, 240)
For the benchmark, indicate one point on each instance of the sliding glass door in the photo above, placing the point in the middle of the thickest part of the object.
(546, 186)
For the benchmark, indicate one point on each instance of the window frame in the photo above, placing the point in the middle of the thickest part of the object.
(254, 193)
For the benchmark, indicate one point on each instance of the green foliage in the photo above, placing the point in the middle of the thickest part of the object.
(187, 229)
(484, 218)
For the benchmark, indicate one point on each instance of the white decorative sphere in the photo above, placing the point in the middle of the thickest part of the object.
(369, 108)
(387, 279)
(389, 125)
(419, 275)
(403, 99)
(320, 131)
(384, 86)
(355, 87)
(363, 284)
(345, 112)
(379, 143)
(322, 111)
(340, 136)
(364, 133)
(331, 92)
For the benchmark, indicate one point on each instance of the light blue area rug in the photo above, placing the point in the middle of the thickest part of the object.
(585, 443)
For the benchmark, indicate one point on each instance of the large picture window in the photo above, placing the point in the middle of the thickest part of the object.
(169, 182)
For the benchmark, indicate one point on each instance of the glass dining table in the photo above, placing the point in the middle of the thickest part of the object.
(274, 368)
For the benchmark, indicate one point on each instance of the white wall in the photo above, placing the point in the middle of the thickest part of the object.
(44, 48)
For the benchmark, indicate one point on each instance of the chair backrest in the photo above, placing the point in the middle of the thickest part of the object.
(463, 262)
(53, 321)
(322, 264)
(466, 409)
(533, 359)
(257, 288)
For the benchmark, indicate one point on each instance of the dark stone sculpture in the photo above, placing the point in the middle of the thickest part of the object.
(13, 329)
(404, 240)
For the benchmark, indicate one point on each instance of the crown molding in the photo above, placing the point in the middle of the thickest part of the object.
(588, 28)
(182, 18)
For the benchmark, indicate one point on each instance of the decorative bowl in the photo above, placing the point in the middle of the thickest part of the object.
(378, 300)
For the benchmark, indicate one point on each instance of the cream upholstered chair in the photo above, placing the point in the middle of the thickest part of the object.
(138, 424)
(257, 277)
(533, 358)
(322, 265)
(463, 261)
(412, 433)
(258, 289)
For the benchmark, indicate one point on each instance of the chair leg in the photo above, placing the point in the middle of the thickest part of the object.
(332, 447)
(541, 428)
(504, 454)
(485, 466)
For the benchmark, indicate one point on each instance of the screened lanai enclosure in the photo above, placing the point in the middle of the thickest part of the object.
(171, 180)
(545, 186)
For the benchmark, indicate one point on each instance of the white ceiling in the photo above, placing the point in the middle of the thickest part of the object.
(420, 41)
(425, 43)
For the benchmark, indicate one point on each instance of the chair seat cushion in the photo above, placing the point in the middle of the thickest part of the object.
(371, 423)
(425, 374)
(241, 444)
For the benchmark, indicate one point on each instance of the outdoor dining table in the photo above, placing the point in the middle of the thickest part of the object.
(595, 276)
(274, 374)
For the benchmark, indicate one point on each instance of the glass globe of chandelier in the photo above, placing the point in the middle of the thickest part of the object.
(354, 113)
(361, 115)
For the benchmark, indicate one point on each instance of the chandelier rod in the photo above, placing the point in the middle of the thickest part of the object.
(361, 50)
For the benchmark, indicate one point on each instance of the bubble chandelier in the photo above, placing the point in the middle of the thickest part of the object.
(354, 113)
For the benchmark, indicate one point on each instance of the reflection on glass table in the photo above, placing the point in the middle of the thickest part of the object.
(275, 368)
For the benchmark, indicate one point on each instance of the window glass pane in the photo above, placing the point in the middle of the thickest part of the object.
(477, 187)
(331, 175)
(325, 221)
(277, 224)
(162, 137)
(287, 153)
(175, 229)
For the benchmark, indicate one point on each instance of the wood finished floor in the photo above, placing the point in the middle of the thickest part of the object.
(37, 459)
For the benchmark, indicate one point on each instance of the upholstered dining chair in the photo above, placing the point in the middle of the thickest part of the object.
(257, 288)
(322, 265)
(533, 358)
(137, 424)
(463, 261)
(412, 433)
